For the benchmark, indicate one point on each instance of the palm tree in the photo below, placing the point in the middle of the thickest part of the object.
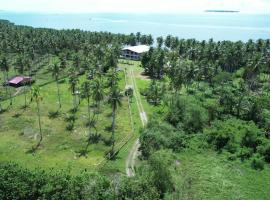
(115, 101)
(73, 81)
(138, 37)
(160, 41)
(29, 67)
(86, 94)
(0, 101)
(5, 69)
(35, 94)
(55, 69)
(98, 92)
(19, 64)
(112, 78)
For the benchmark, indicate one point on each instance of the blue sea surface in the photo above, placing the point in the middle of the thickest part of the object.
(203, 26)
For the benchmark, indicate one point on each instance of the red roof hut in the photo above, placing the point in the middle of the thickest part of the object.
(20, 81)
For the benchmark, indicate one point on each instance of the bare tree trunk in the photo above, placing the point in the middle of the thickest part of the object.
(58, 93)
(113, 127)
(89, 115)
(10, 95)
(5, 79)
(39, 123)
(24, 95)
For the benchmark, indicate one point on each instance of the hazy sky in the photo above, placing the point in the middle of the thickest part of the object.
(135, 6)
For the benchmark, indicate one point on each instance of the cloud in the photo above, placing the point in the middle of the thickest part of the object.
(137, 6)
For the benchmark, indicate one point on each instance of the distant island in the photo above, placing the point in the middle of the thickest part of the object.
(223, 11)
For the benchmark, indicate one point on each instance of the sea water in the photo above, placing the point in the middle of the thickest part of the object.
(202, 26)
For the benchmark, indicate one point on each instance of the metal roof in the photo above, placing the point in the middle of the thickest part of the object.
(138, 49)
(18, 79)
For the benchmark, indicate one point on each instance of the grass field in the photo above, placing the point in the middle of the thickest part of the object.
(19, 128)
(208, 175)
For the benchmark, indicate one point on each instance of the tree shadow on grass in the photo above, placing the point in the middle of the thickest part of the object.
(82, 153)
(108, 128)
(92, 123)
(112, 155)
(17, 115)
(70, 118)
(32, 151)
(3, 111)
(24, 107)
(73, 110)
(107, 141)
(54, 114)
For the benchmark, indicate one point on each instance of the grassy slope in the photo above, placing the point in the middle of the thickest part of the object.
(207, 175)
(59, 146)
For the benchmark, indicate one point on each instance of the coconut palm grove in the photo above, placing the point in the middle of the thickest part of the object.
(186, 119)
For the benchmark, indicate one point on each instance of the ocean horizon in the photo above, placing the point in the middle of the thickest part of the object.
(201, 26)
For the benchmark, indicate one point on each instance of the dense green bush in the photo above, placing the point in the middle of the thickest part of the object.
(264, 150)
(19, 183)
(187, 114)
(244, 139)
(138, 187)
(152, 181)
(257, 163)
(158, 135)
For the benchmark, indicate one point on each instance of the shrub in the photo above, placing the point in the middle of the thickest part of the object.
(251, 138)
(19, 183)
(219, 136)
(245, 153)
(158, 135)
(265, 152)
(257, 163)
(233, 134)
(187, 113)
(138, 187)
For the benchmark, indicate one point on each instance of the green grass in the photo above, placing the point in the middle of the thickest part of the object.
(59, 148)
(208, 175)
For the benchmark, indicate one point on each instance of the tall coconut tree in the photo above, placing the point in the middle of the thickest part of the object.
(35, 94)
(73, 82)
(112, 78)
(86, 94)
(115, 101)
(55, 69)
(29, 67)
(20, 64)
(98, 92)
(1, 101)
(5, 69)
